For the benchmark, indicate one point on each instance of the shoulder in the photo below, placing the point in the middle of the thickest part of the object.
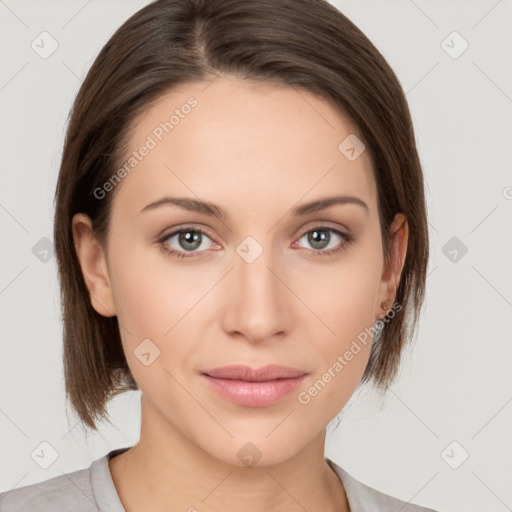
(66, 492)
(362, 497)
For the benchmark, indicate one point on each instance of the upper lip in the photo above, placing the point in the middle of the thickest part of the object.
(243, 372)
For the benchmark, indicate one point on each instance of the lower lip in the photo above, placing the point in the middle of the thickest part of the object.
(255, 394)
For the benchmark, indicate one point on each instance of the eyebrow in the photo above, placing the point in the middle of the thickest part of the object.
(213, 210)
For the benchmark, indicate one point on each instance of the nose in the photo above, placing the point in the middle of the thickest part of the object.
(257, 300)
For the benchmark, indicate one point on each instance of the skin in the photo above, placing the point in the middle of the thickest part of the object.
(256, 151)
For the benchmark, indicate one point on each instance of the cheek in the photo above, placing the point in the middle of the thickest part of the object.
(343, 299)
(150, 294)
(158, 301)
(341, 295)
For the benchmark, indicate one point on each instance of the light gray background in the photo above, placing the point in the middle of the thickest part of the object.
(455, 385)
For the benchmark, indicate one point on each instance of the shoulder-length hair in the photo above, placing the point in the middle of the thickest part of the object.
(305, 44)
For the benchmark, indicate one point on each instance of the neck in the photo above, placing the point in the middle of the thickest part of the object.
(166, 470)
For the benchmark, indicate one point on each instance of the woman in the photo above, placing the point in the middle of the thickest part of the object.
(241, 234)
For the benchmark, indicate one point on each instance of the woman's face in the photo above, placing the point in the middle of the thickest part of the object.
(258, 285)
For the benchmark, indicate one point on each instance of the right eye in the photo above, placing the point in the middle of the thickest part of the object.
(187, 240)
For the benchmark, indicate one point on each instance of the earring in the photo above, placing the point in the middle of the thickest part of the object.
(384, 307)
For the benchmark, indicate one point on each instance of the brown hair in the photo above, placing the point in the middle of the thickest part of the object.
(306, 44)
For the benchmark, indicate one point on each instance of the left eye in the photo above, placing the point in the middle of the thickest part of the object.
(320, 239)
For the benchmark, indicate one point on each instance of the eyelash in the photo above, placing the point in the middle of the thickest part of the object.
(347, 239)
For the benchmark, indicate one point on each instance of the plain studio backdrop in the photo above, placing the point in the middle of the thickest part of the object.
(442, 436)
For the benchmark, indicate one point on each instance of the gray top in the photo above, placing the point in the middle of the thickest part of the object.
(92, 490)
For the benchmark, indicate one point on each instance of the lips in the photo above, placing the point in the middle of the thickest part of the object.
(248, 374)
(249, 387)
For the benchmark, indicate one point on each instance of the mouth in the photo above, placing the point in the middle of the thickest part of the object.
(251, 387)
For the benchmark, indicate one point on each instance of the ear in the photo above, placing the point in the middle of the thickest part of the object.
(399, 235)
(93, 263)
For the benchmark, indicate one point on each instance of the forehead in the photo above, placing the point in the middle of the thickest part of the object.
(241, 142)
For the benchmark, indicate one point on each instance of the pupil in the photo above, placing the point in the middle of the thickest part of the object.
(318, 236)
(190, 237)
